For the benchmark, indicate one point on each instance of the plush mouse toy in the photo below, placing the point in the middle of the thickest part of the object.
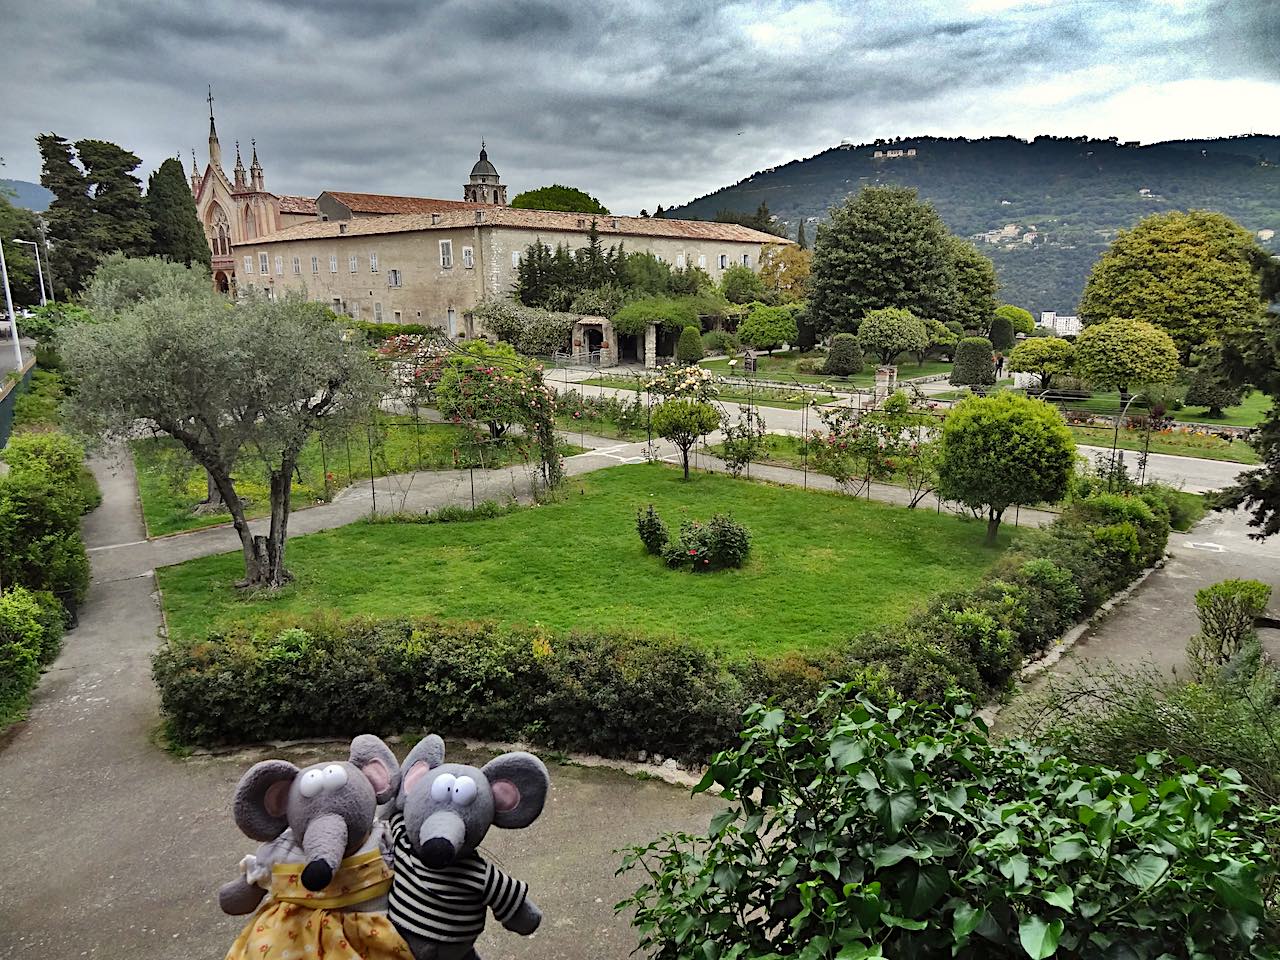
(324, 859)
(443, 887)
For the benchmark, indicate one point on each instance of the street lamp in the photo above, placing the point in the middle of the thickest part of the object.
(13, 316)
(1115, 439)
(39, 270)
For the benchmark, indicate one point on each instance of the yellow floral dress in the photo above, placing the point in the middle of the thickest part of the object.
(299, 924)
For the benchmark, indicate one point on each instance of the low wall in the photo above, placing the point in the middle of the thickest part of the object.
(9, 392)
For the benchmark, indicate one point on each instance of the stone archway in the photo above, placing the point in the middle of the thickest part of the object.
(221, 282)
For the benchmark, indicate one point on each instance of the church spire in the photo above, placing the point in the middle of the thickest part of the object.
(195, 173)
(215, 149)
(239, 170)
(255, 170)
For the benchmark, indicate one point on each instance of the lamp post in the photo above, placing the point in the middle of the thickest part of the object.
(1115, 439)
(39, 269)
(8, 302)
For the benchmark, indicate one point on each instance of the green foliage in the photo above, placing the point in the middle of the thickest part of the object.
(682, 422)
(844, 359)
(1121, 353)
(558, 197)
(973, 364)
(488, 384)
(1020, 319)
(889, 331)
(859, 830)
(881, 248)
(761, 219)
(745, 440)
(176, 233)
(1003, 450)
(969, 292)
(121, 282)
(719, 544)
(46, 321)
(689, 346)
(40, 545)
(767, 328)
(17, 223)
(553, 280)
(532, 331)
(1151, 528)
(740, 284)
(1001, 334)
(1228, 613)
(671, 314)
(720, 341)
(1209, 389)
(30, 634)
(1046, 357)
(653, 531)
(377, 333)
(1195, 275)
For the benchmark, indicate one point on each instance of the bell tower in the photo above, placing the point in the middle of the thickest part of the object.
(485, 186)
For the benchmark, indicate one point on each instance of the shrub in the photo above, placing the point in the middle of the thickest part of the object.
(40, 545)
(718, 544)
(889, 331)
(689, 346)
(1212, 392)
(1228, 613)
(653, 532)
(1150, 527)
(30, 630)
(973, 365)
(60, 455)
(720, 341)
(858, 830)
(378, 332)
(767, 328)
(1001, 335)
(844, 359)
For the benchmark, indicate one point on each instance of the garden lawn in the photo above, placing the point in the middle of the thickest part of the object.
(1250, 413)
(822, 567)
(170, 486)
(782, 365)
(762, 396)
(1202, 445)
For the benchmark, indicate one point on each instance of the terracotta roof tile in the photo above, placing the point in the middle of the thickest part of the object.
(382, 203)
(549, 221)
(292, 204)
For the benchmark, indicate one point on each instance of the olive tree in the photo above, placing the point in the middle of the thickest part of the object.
(1002, 450)
(258, 378)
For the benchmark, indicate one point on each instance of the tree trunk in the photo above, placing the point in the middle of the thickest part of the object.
(213, 499)
(993, 526)
(271, 547)
(684, 454)
(252, 561)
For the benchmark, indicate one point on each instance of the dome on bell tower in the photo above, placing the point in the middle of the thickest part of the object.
(485, 186)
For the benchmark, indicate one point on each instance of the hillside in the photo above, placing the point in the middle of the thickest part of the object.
(23, 193)
(1043, 210)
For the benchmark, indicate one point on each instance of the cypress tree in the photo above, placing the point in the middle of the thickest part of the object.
(69, 217)
(120, 221)
(176, 233)
(800, 237)
(973, 366)
(1001, 333)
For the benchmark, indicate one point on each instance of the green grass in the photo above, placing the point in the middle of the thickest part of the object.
(1250, 413)
(1194, 508)
(783, 366)
(822, 566)
(170, 486)
(780, 450)
(1204, 446)
(762, 396)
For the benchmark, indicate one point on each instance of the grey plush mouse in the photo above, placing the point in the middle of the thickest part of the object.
(442, 886)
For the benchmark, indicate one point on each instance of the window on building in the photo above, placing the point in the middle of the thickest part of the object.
(248, 264)
(377, 312)
(724, 261)
(702, 261)
(446, 253)
(264, 263)
(679, 261)
(515, 258)
(373, 261)
(746, 259)
(452, 321)
(353, 308)
(279, 266)
(315, 264)
(396, 314)
(353, 263)
(333, 263)
(468, 257)
(393, 278)
(297, 265)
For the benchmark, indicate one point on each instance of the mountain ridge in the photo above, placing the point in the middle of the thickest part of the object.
(28, 195)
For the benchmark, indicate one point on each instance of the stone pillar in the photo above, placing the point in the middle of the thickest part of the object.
(651, 346)
(886, 382)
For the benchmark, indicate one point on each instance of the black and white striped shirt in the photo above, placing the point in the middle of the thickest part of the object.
(448, 905)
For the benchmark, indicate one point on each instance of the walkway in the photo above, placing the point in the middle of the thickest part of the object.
(113, 848)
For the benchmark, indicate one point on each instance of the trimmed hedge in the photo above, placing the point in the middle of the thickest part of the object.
(973, 364)
(30, 635)
(618, 694)
(845, 356)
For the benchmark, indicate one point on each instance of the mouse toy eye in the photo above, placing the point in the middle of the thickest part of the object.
(335, 776)
(464, 791)
(312, 783)
(442, 786)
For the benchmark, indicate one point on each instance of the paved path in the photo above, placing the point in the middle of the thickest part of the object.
(115, 849)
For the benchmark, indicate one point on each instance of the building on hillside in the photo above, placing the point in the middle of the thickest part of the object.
(1061, 325)
(434, 267)
(239, 208)
(893, 154)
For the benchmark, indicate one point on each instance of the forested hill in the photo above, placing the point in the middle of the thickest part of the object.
(23, 193)
(1044, 210)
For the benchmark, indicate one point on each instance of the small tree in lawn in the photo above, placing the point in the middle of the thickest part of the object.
(683, 422)
(845, 356)
(740, 284)
(767, 328)
(1004, 450)
(689, 346)
(1001, 333)
(973, 366)
(1020, 319)
(1209, 390)
(1045, 357)
(261, 377)
(1118, 354)
(484, 383)
(889, 331)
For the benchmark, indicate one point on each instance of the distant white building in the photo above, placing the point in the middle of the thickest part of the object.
(893, 154)
(1062, 326)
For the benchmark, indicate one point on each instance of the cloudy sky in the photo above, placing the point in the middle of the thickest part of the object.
(640, 102)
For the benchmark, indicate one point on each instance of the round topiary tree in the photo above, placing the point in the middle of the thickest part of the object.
(767, 328)
(844, 359)
(1001, 333)
(1046, 357)
(683, 422)
(974, 366)
(889, 331)
(689, 346)
(1020, 319)
(1003, 450)
(1121, 353)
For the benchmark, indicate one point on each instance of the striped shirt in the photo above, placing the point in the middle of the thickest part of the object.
(448, 905)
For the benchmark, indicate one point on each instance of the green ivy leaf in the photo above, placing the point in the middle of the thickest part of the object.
(965, 921)
(1238, 888)
(1064, 851)
(893, 810)
(1145, 871)
(922, 887)
(1038, 938)
(1061, 897)
(894, 853)
(721, 820)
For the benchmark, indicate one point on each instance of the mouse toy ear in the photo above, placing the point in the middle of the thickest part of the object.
(262, 799)
(520, 784)
(424, 757)
(376, 761)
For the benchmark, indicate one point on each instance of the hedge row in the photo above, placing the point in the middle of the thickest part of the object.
(30, 635)
(616, 694)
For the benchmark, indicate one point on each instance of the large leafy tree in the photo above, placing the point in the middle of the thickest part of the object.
(120, 220)
(1045, 357)
(881, 248)
(999, 451)
(740, 284)
(1194, 274)
(767, 328)
(69, 217)
(784, 271)
(176, 233)
(558, 197)
(1122, 353)
(1252, 356)
(19, 224)
(887, 332)
(258, 378)
(969, 293)
(122, 282)
(1021, 320)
